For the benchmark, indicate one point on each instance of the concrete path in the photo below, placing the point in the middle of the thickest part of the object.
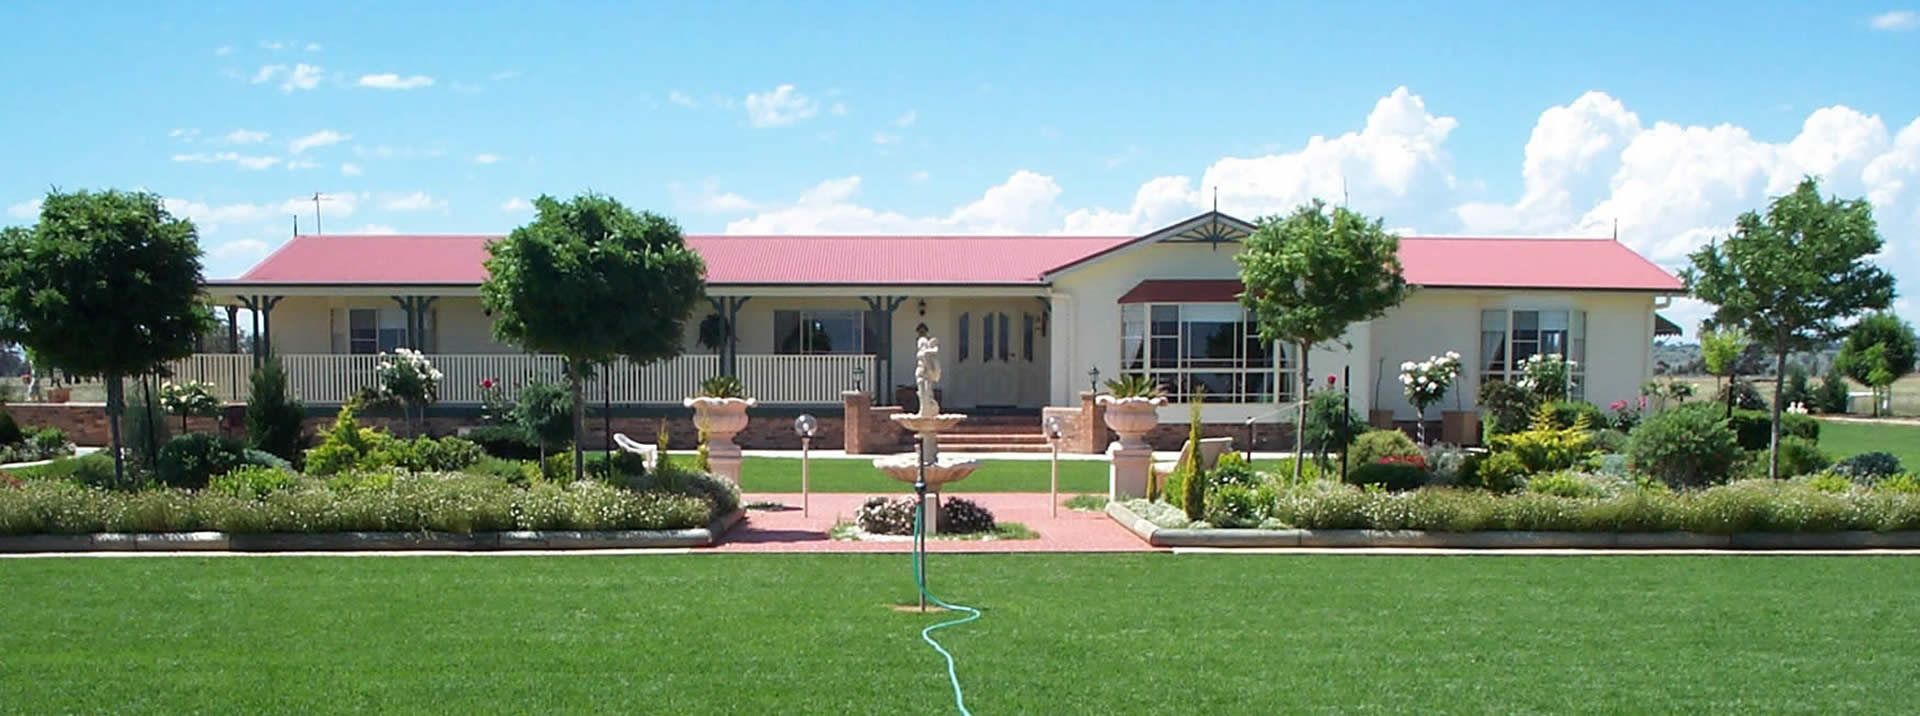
(787, 530)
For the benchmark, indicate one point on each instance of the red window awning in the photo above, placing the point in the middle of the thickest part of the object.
(1161, 290)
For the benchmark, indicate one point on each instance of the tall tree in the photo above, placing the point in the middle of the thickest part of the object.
(1897, 355)
(108, 284)
(1721, 349)
(1790, 277)
(1310, 274)
(591, 280)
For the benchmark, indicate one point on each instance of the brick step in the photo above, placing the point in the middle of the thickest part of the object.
(992, 430)
(946, 447)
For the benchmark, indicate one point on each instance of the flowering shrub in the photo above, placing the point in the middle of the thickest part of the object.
(495, 407)
(189, 399)
(1626, 413)
(407, 375)
(1427, 382)
(1419, 461)
(1547, 376)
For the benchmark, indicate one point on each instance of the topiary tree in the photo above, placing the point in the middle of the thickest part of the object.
(545, 412)
(276, 421)
(106, 283)
(1877, 351)
(1311, 274)
(1788, 279)
(591, 280)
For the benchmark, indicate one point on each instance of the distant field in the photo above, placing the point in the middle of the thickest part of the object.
(1906, 391)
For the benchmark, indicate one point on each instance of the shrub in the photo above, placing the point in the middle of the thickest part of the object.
(1568, 484)
(276, 422)
(259, 458)
(1754, 428)
(1232, 469)
(1611, 464)
(1799, 456)
(1234, 505)
(963, 516)
(1504, 406)
(1798, 388)
(1327, 430)
(1832, 395)
(1370, 448)
(9, 430)
(90, 469)
(1741, 394)
(1688, 446)
(508, 442)
(1545, 446)
(883, 516)
(1903, 484)
(1445, 464)
(1567, 413)
(718, 492)
(1393, 476)
(1499, 472)
(144, 425)
(545, 411)
(1830, 482)
(1608, 441)
(448, 454)
(189, 461)
(1868, 466)
(252, 482)
(721, 386)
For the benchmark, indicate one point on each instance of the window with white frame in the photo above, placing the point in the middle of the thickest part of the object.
(825, 331)
(366, 331)
(1508, 337)
(1215, 346)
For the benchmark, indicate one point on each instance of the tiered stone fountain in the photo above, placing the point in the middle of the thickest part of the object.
(926, 425)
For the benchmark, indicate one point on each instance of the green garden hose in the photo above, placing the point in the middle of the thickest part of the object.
(920, 579)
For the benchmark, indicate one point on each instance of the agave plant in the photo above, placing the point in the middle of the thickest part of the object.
(1135, 386)
(722, 386)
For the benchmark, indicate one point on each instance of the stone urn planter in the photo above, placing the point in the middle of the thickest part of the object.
(722, 418)
(1131, 418)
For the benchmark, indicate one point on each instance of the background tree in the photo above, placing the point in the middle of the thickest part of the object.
(1789, 278)
(1897, 354)
(1311, 274)
(591, 280)
(105, 284)
(1721, 349)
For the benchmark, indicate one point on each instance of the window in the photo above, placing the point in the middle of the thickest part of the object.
(824, 331)
(375, 330)
(1006, 346)
(1509, 337)
(1191, 346)
(966, 333)
(1026, 337)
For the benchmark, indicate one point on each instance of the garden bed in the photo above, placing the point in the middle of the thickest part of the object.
(372, 541)
(1727, 519)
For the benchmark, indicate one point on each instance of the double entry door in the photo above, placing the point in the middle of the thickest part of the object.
(997, 356)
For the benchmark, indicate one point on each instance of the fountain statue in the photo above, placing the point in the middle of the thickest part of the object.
(926, 425)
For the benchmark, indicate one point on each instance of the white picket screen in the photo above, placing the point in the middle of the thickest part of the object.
(802, 379)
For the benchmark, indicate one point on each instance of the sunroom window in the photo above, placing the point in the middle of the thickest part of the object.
(1509, 337)
(1190, 346)
(825, 331)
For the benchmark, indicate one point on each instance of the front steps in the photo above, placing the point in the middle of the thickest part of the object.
(996, 433)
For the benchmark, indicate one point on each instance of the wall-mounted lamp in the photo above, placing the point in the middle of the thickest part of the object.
(1093, 379)
(922, 306)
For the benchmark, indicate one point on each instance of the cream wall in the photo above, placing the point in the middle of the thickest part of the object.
(304, 324)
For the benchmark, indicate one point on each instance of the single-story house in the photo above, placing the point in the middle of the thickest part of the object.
(1024, 321)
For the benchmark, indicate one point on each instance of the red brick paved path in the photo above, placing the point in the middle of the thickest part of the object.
(788, 531)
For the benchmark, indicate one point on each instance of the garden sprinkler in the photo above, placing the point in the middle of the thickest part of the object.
(804, 426)
(920, 579)
(1054, 430)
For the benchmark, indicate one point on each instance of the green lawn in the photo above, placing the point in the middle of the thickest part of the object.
(1842, 439)
(1062, 634)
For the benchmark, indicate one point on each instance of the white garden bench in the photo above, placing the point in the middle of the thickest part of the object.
(649, 453)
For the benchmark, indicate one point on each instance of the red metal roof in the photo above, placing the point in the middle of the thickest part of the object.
(1601, 264)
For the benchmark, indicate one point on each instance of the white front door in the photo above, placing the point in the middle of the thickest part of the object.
(997, 356)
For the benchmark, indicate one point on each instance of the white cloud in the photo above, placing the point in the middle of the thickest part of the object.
(516, 204)
(485, 158)
(386, 152)
(391, 81)
(839, 109)
(1896, 21)
(266, 73)
(779, 108)
(240, 160)
(206, 217)
(318, 139)
(298, 164)
(265, 45)
(907, 119)
(313, 47)
(223, 50)
(302, 77)
(184, 135)
(710, 200)
(1024, 203)
(417, 201)
(244, 136)
(239, 249)
(883, 138)
(920, 177)
(29, 209)
(681, 98)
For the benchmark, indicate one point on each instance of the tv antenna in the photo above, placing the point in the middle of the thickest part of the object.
(317, 198)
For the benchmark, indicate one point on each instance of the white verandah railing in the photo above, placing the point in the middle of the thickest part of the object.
(328, 379)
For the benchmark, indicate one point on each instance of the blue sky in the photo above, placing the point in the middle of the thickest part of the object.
(1515, 118)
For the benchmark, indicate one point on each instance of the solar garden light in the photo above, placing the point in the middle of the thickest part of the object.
(1054, 429)
(804, 427)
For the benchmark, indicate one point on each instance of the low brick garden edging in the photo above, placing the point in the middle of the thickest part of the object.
(1169, 537)
(371, 541)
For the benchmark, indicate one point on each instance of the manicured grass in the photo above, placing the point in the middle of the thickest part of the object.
(1062, 634)
(1842, 439)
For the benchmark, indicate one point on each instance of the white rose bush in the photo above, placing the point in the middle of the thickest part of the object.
(407, 377)
(1426, 382)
